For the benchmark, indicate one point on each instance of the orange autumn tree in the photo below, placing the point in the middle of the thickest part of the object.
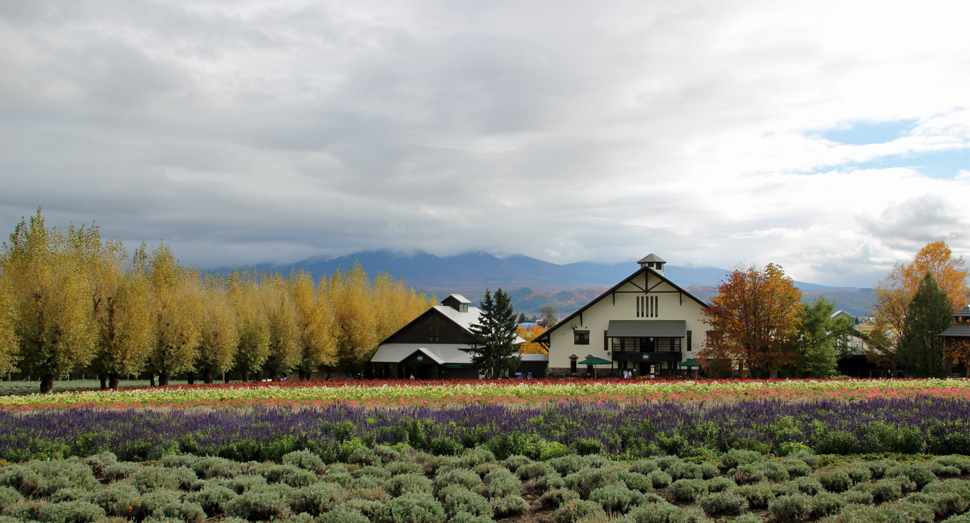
(753, 319)
(896, 291)
(528, 334)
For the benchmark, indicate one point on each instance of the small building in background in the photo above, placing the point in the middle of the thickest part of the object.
(430, 346)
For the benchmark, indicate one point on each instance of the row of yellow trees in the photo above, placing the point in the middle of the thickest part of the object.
(71, 301)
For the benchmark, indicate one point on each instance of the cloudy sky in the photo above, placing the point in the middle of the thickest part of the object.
(832, 137)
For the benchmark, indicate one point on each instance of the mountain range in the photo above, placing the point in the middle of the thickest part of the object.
(532, 283)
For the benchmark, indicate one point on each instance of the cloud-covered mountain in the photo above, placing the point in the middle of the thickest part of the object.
(533, 283)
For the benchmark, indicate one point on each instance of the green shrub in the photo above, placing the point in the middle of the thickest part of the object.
(835, 480)
(363, 456)
(951, 486)
(149, 479)
(456, 498)
(659, 479)
(23, 479)
(9, 496)
(476, 456)
(749, 473)
(809, 457)
(117, 499)
(501, 483)
(635, 481)
(306, 460)
(216, 467)
(212, 498)
(859, 473)
(774, 471)
(616, 498)
(788, 508)
(259, 503)
(316, 498)
(164, 503)
(535, 470)
(462, 477)
(408, 484)
(365, 506)
(411, 508)
(243, 483)
(879, 468)
(810, 486)
(99, 463)
(404, 467)
(553, 450)
(735, 458)
(514, 462)
(56, 475)
(587, 446)
(720, 484)
(899, 512)
(569, 464)
(577, 509)
(759, 495)
(445, 446)
(366, 483)
(687, 490)
(885, 490)
(942, 504)
(860, 496)
(644, 466)
(723, 503)
(508, 505)
(556, 497)
(68, 494)
(961, 463)
(747, 518)
(72, 512)
(343, 515)
(120, 471)
(919, 474)
(657, 513)
(796, 467)
(826, 504)
(962, 518)
(290, 475)
(681, 470)
(588, 480)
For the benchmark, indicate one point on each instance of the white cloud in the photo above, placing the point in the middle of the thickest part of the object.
(264, 131)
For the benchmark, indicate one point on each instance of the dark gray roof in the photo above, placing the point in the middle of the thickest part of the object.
(963, 313)
(960, 330)
(647, 329)
(651, 258)
(459, 298)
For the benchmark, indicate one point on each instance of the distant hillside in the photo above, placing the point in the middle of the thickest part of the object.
(533, 283)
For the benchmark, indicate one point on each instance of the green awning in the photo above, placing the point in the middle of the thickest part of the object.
(689, 363)
(595, 361)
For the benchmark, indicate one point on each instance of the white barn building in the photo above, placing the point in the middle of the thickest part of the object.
(646, 324)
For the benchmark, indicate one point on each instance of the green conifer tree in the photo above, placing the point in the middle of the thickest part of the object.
(920, 352)
(493, 337)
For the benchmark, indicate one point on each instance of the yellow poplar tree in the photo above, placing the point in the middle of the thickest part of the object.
(178, 304)
(8, 322)
(395, 304)
(284, 330)
(122, 303)
(252, 324)
(315, 323)
(219, 335)
(51, 293)
(355, 327)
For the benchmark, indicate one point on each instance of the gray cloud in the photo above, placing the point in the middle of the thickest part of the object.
(263, 132)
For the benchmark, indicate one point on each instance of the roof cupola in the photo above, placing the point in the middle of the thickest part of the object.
(653, 261)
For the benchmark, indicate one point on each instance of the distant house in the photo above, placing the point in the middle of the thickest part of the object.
(959, 332)
(430, 346)
(646, 324)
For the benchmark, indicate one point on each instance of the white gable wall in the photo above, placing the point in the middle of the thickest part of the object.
(672, 306)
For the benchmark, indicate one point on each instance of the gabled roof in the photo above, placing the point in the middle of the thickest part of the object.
(465, 320)
(439, 352)
(651, 258)
(544, 337)
(459, 298)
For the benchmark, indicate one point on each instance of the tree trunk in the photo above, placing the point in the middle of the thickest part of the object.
(207, 376)
(245, 377)
(191, 378)
(163, 379)
(113, 381)
(104, 381)
(151, 380)
(47, 383)
(225, 377)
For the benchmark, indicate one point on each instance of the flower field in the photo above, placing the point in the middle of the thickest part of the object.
(504, 392)
(522, 451)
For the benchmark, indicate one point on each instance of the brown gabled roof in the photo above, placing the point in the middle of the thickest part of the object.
(544, 337)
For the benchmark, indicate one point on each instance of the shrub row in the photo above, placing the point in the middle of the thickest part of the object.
(399, 484)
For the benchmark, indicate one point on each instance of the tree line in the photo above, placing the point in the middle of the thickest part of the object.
(760, 326)
(72, 301)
